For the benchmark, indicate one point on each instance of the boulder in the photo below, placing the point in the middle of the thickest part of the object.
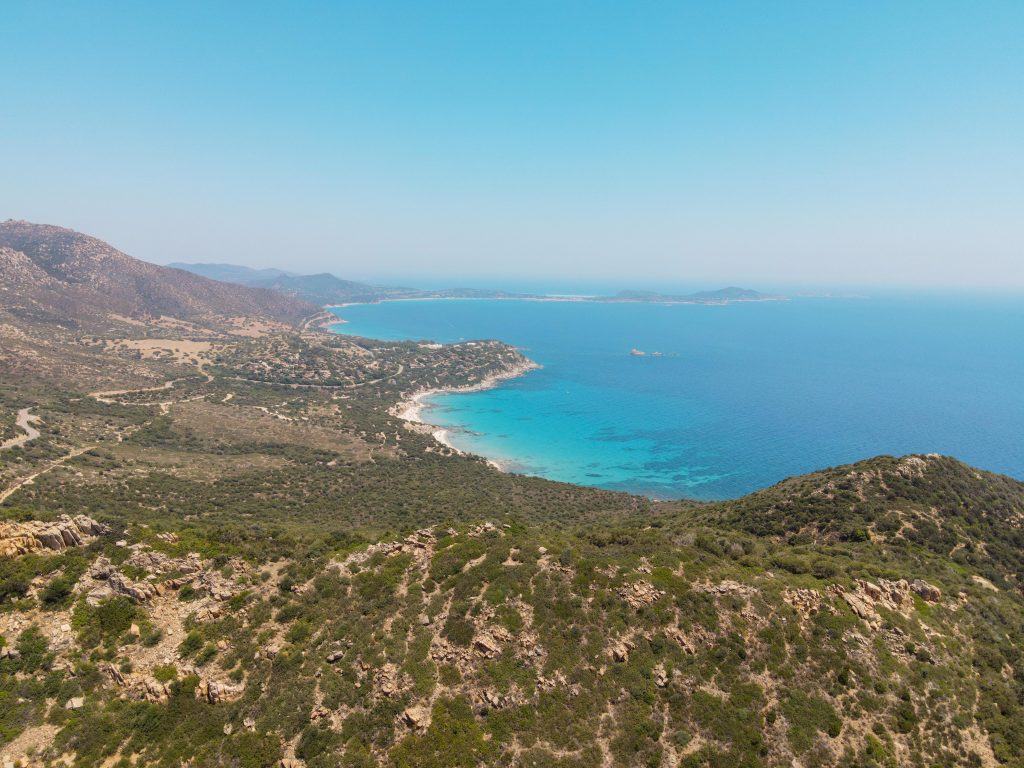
(926, 591)
(155, 691)
(270, 651)
(417, 716)
(620, 649)
(486, 645)
(660, 676)
(101, 569)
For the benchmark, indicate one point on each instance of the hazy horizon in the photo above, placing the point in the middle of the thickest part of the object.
(834, 147)
(581, 285)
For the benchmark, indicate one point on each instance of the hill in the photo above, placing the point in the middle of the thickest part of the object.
(323, 288)
(487, 631)
(226, 549)
(66, 274)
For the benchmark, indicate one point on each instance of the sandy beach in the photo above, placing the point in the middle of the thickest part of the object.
(411, 408)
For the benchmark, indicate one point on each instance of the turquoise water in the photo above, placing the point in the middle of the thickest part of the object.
(745, 394)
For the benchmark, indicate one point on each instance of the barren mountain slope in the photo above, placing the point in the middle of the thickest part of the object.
(97, 278)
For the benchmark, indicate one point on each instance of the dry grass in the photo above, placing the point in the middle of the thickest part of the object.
(233, 423)
(182, 351)
(254, 327)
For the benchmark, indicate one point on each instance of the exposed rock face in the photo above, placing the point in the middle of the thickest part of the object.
(215, 692)
(35, 535)
(119, 584)
(154, 562)
(807, 602)
(137, 591)
(101, 569)
(894, 595)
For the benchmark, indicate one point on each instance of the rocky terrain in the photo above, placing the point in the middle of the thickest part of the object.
(224, 549)
(520, 642)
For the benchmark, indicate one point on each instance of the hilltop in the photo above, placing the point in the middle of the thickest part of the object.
(219, 546)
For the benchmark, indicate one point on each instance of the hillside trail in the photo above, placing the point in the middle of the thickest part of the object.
(24, 422)
(10, 491)
(25, 419)
(105, 397)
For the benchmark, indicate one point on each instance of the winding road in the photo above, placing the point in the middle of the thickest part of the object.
(24, 422)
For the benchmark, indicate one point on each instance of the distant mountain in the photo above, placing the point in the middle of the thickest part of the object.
(51, 272)
(720, 296)
(326, 289)
(232, 273)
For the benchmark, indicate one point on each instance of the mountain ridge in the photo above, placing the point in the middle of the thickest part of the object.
(98, 279)
(326, 289)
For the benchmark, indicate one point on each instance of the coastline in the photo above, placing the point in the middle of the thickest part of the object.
(410, 409)
(569, 299)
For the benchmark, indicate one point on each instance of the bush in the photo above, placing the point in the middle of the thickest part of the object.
(164, 673)
(193, 642)
(104, 623)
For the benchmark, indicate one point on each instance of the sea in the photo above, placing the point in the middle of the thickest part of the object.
(740, 395)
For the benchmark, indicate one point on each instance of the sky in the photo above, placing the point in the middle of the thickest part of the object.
(645, 143)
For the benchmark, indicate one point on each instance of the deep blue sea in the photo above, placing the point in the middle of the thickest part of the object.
(744, 394)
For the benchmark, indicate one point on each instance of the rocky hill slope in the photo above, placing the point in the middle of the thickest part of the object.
(648, 639)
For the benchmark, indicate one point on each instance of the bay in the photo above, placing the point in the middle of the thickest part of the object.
(742, 396)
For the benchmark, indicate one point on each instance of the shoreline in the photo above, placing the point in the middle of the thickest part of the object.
(410, 408)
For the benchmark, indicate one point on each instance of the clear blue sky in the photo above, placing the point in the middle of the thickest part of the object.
(792, 142)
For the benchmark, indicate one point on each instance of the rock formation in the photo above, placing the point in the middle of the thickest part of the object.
(36, 535)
